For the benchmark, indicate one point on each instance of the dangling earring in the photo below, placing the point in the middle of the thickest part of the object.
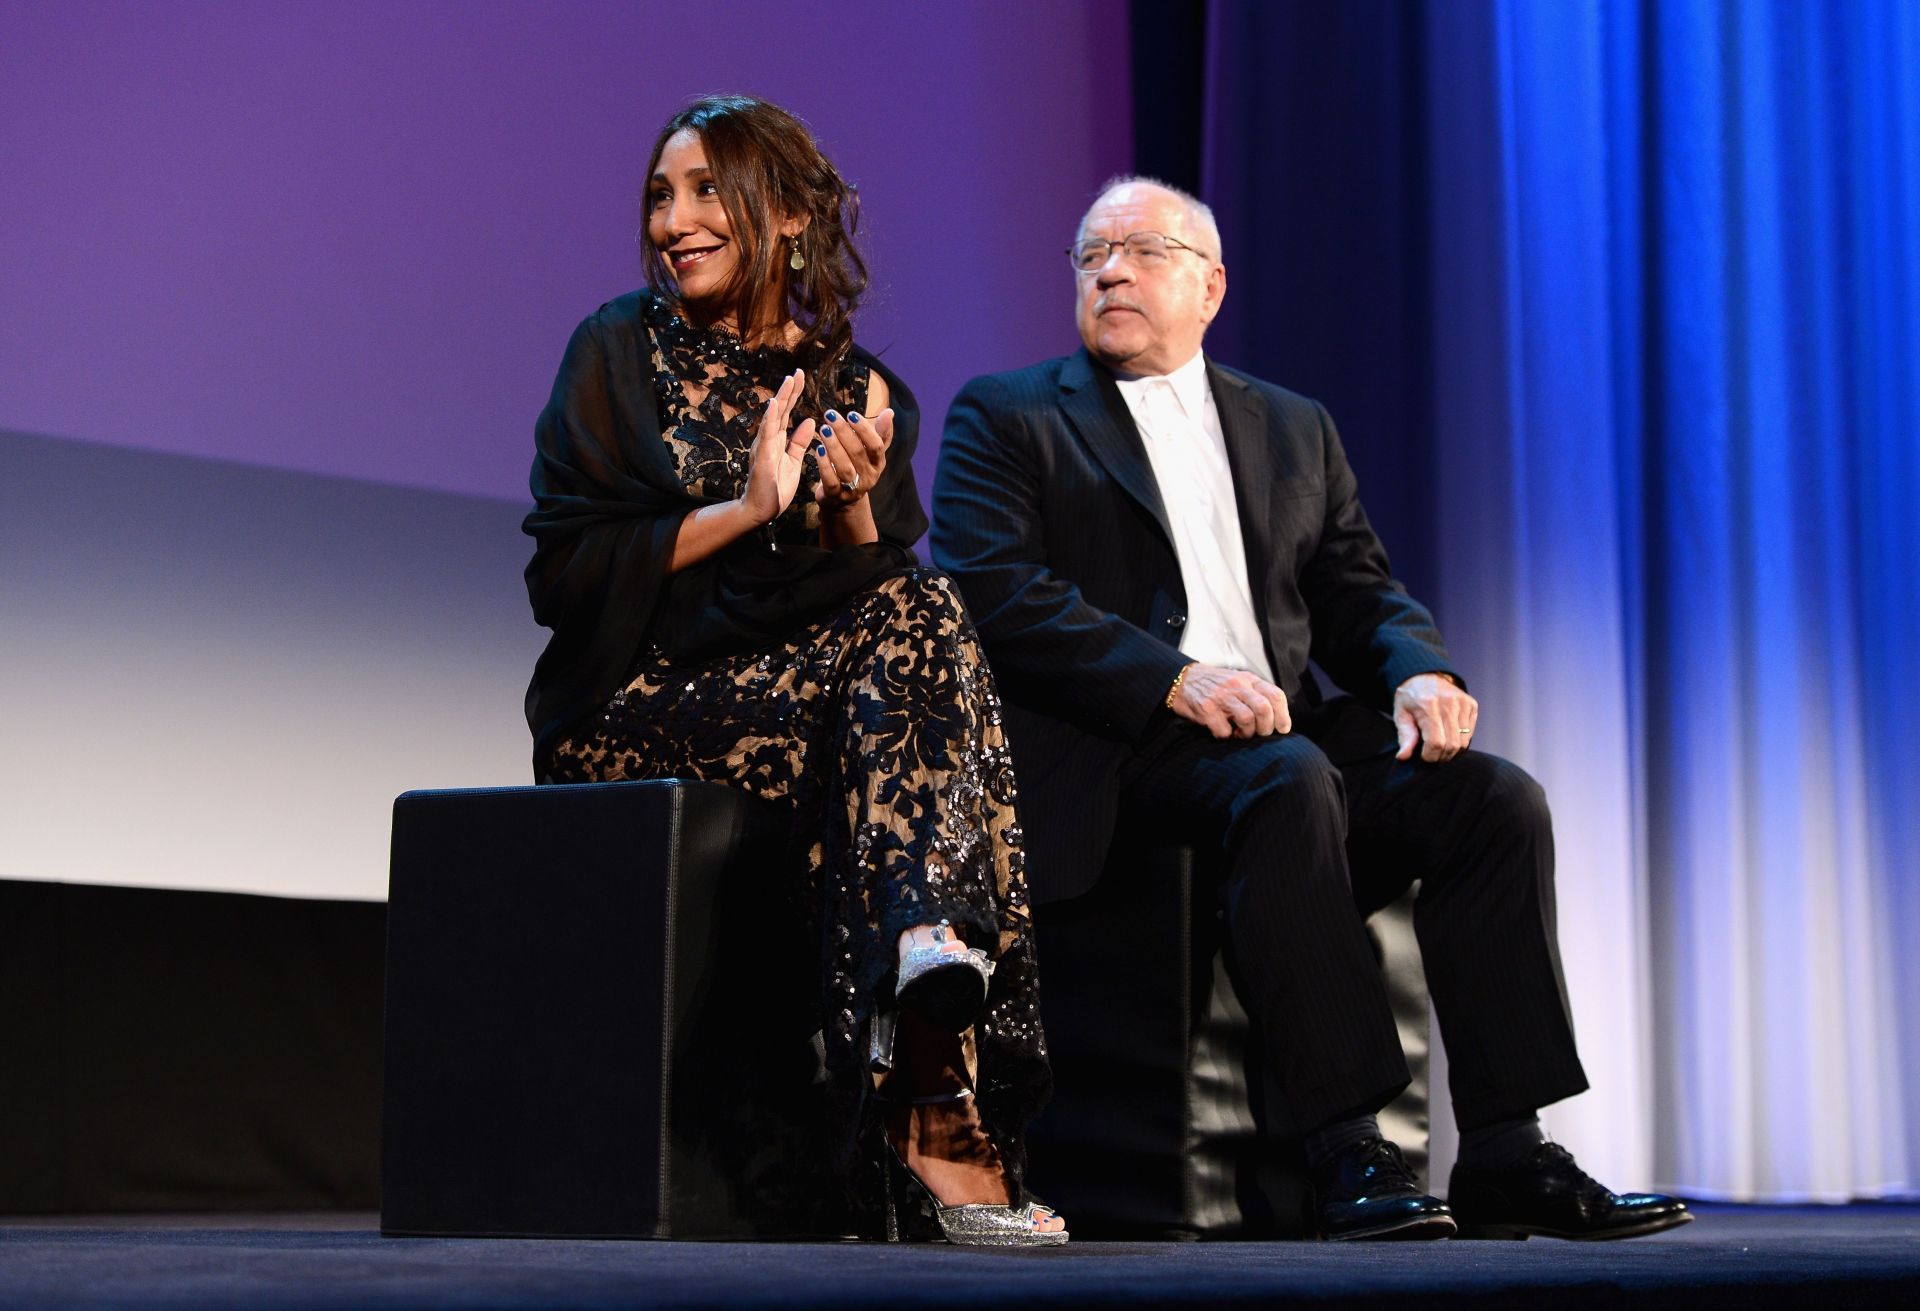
(796, 261)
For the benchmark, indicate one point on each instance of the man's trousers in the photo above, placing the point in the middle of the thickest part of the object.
(1304, 843)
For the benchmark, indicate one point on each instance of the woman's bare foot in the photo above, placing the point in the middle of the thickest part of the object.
(944, 1143)
(949, 1151)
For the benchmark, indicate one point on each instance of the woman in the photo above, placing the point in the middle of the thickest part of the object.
(724, 505)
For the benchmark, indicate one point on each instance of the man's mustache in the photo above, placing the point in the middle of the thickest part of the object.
(1106, 303)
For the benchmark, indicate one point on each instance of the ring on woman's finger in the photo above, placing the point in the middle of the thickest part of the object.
(853, 483)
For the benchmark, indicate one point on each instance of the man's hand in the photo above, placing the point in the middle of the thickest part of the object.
(1432, 707)
(1231, 702)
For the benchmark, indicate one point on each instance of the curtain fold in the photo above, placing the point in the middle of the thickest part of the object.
(1654, 447)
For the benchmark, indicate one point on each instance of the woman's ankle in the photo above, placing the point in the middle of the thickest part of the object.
(946, 1147)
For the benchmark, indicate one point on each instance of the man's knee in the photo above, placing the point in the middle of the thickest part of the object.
(1297, 794)
(1512, 801)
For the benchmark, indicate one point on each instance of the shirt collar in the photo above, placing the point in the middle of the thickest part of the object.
(1189, 384)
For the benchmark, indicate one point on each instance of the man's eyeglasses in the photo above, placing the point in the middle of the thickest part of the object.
(1143, 249)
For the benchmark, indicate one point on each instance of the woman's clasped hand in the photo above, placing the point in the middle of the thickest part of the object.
(852, 454)
(851, 450)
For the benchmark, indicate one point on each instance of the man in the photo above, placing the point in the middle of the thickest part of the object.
(1153, 546)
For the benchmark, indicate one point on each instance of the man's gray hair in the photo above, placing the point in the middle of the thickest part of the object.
(1198, 214)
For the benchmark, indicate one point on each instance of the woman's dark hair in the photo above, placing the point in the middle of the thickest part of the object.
(767, 167)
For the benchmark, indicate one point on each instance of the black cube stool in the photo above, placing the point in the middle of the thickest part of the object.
(1161, 1124)
(590, 1030)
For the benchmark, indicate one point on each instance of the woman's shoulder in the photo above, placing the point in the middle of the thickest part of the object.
(615, 338)
(880, 384)
(625, 315)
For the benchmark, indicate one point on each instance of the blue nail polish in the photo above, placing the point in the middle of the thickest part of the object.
(820, 450)
(825, 431)
(853, 416)
(832, 417)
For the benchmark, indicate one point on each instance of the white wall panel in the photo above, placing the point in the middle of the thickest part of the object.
(218, 677)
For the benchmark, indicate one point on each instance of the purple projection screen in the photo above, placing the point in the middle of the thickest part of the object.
(282, 288)
(352, 238)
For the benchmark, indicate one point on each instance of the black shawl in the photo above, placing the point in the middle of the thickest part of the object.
(607, 508)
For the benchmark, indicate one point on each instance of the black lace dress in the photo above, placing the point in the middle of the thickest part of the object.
(875, 722)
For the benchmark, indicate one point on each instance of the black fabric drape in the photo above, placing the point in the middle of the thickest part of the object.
(1303, 124)
(607, 509)
(1169, 66)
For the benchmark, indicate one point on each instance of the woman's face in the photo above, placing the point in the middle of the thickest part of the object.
(687, 223)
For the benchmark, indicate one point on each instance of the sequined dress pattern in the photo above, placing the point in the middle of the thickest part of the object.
(878, 726)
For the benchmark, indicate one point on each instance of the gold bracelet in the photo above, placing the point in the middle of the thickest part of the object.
(1178, 679)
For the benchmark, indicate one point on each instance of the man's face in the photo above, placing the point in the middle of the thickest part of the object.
(1147, 318)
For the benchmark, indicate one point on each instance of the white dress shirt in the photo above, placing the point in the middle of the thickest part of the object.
(1187, 447)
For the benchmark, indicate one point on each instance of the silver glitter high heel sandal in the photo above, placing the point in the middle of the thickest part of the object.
(915, 1214)
(947, 988)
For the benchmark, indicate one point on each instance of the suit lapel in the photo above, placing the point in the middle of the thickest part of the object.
(1244, 421)
(1094, 407)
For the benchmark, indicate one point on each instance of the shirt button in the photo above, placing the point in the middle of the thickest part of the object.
(1176, 621)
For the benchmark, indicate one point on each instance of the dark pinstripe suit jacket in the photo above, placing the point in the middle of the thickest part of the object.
(1047, 514)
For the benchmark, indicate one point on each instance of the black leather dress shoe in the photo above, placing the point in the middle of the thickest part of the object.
(1552, 1196)
(1367, 1191)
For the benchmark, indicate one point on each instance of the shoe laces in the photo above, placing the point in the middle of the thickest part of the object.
(1384, 1162)
(1585, 1185)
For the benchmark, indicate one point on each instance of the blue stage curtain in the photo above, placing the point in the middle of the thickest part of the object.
(1619, 308)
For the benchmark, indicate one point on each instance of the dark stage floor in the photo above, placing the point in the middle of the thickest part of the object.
(1745, 1257)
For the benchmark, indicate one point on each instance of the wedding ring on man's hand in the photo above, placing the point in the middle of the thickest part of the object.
(1466, 732)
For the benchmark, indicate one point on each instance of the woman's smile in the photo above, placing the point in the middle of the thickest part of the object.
(691, 256)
